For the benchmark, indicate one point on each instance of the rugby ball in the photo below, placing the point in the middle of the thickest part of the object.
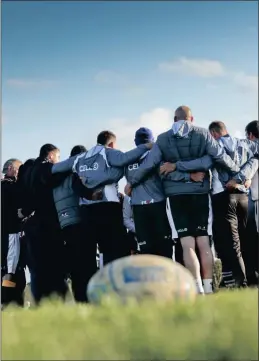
(142, 276)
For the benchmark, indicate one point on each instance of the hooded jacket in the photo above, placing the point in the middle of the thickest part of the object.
(67, 202)
(101, 167)
(241, 153)
(250, 171)
(150, 190)
(185, 142)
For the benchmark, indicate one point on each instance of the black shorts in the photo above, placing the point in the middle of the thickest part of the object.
(190, 213)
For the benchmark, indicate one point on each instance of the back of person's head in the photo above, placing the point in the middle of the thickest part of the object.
(49, 152)
(77, 149)
(143, 136)
(24, 167)
(107, 139)
(217, 129)
(11, 167)
(252, 130)
(183, 113)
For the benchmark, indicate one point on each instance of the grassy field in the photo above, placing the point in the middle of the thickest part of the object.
(223, 326)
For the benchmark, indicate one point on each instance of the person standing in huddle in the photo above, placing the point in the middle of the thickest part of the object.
(68, 210)
(12, 270)
(230, 205)
(187, 186)
(149, 206)
(46, 249)
(251, 251)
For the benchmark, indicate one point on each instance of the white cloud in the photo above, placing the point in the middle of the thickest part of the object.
(158, 120)
(206, 68)
(197, 67)
(30, 83)
(248, 83)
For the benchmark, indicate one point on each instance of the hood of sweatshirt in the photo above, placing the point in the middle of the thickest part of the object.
(181, 128)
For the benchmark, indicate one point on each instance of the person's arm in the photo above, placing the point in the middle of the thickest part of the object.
(65, 165)
(202, 164)
(248, 171)
(177, 176)
(117, 158)
(127, 216)
(219, 155)
(82, 189)
(253, 146)
(152, 161)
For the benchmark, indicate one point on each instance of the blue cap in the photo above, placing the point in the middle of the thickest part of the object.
(143, 135)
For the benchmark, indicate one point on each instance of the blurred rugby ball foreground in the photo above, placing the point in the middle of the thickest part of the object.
(141, 277)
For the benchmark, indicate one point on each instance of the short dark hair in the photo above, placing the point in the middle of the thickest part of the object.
(24, 167)
(46, 149)
(218, 127)
(105, 137)
(77, 149)
(253, 127)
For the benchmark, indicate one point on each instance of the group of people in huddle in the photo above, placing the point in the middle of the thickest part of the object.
(188, 192)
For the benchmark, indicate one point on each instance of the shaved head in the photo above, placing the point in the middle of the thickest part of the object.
(183, 113)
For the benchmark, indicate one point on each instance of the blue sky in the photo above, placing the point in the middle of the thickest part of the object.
(73, 69)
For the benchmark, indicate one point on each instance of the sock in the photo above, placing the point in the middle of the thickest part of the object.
(207, 284)
(199, 286)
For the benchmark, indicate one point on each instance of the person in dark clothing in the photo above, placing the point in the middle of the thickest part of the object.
(67, 206)
(45, 244)
(12, 269)
(149, 206)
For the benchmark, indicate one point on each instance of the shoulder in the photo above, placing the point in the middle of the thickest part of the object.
(200, 131)
(164, 135)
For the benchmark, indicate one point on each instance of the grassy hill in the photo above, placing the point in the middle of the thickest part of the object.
(223, 326)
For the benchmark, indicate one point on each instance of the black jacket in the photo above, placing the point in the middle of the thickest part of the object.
(40, 182)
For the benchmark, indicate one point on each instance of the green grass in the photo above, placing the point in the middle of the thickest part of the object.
(219, 327)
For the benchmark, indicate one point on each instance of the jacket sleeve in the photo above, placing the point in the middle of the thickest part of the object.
(64, 166)
(152, 161)
(219, 155)
(113, 175)
(202, 164)
(177, 176)
(127, 216)
(248, 170)
(253, 146)
(117, 158)
(80, 189)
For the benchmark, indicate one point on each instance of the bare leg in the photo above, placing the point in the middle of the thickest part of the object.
(206, 257)
(191, 261)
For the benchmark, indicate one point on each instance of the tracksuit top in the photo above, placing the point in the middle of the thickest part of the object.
(150, 190)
